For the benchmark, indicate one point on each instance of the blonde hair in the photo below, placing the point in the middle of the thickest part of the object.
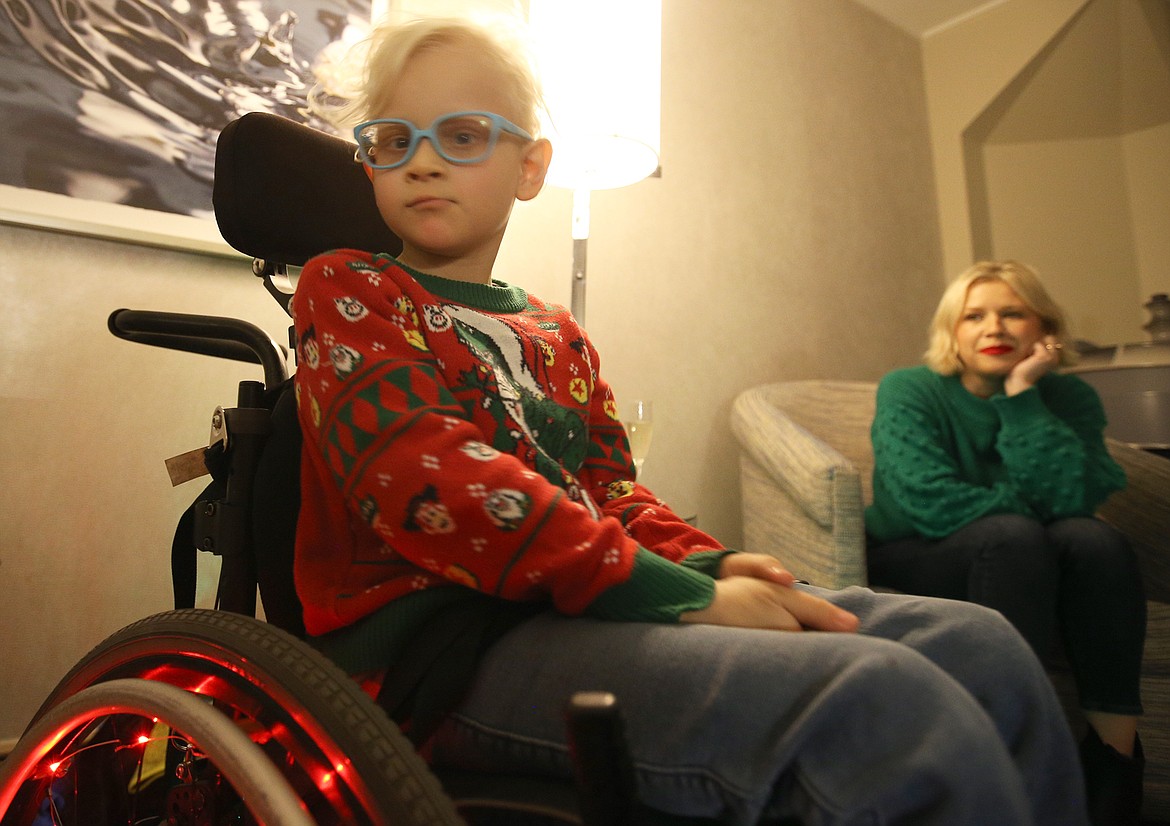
(348, 98)
(942, 355)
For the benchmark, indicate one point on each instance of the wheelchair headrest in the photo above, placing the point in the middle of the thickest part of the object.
(284, 192)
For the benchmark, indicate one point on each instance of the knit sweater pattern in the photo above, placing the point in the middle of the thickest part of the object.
(458, 436)
(944, 457)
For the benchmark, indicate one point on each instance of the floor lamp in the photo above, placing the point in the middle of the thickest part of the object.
(601, 65)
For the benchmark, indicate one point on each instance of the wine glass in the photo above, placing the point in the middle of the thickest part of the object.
(638, 420)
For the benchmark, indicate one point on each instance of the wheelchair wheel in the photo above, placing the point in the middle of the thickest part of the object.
(243, 764)
(341, 757)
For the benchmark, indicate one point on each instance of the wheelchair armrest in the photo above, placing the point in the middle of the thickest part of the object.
(229, 338)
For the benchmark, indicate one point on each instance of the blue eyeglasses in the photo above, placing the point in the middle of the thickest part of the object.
(459, 138)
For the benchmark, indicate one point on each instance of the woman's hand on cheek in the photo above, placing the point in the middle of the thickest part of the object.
(1044, 357)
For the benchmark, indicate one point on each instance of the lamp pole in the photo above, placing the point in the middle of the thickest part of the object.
(580, 242)
(600, 63)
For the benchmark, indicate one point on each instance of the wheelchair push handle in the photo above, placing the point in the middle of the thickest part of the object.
(218, 336)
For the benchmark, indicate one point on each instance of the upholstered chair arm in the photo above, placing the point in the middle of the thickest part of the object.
(1142, 513)
(802, 500)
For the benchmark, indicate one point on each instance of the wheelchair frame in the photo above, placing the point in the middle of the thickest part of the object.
(250, 723)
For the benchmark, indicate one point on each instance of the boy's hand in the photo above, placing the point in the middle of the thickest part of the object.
(760, 566)
(751, 602)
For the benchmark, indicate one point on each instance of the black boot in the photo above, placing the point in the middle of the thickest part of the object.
(1113, 782)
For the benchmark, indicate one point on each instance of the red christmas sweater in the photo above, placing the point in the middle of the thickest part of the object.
(457, 436)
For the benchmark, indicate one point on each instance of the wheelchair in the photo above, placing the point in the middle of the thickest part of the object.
(199, 717)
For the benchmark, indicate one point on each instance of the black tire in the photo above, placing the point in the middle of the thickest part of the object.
(339, 752)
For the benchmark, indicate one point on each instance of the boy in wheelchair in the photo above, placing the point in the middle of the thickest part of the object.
(469, 513)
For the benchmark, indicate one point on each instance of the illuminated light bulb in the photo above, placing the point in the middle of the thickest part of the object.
(54, 766)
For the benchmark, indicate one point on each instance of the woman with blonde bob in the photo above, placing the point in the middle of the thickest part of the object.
(989, 466)
(943, 354)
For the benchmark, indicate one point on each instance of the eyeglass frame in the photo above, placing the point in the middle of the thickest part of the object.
(498, 124)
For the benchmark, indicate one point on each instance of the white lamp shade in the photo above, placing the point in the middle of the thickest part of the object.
(601, 65)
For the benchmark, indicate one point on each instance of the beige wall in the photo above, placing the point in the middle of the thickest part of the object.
(792, 235)
(1145, 71)
(1081, 241)
(1057, 152)
(1146, 154)
(967, 66)
(87, 510)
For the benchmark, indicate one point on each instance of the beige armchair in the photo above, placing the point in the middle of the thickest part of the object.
(806, 475)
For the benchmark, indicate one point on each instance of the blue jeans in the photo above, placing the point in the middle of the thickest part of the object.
(935, 713)
(1074, 581)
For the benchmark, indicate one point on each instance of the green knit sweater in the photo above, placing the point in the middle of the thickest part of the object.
(944, 457)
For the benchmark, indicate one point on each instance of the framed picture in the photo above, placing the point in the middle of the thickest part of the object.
(112, 107)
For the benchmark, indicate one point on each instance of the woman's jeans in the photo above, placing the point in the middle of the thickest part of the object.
(1075, 581)
(936, 712)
